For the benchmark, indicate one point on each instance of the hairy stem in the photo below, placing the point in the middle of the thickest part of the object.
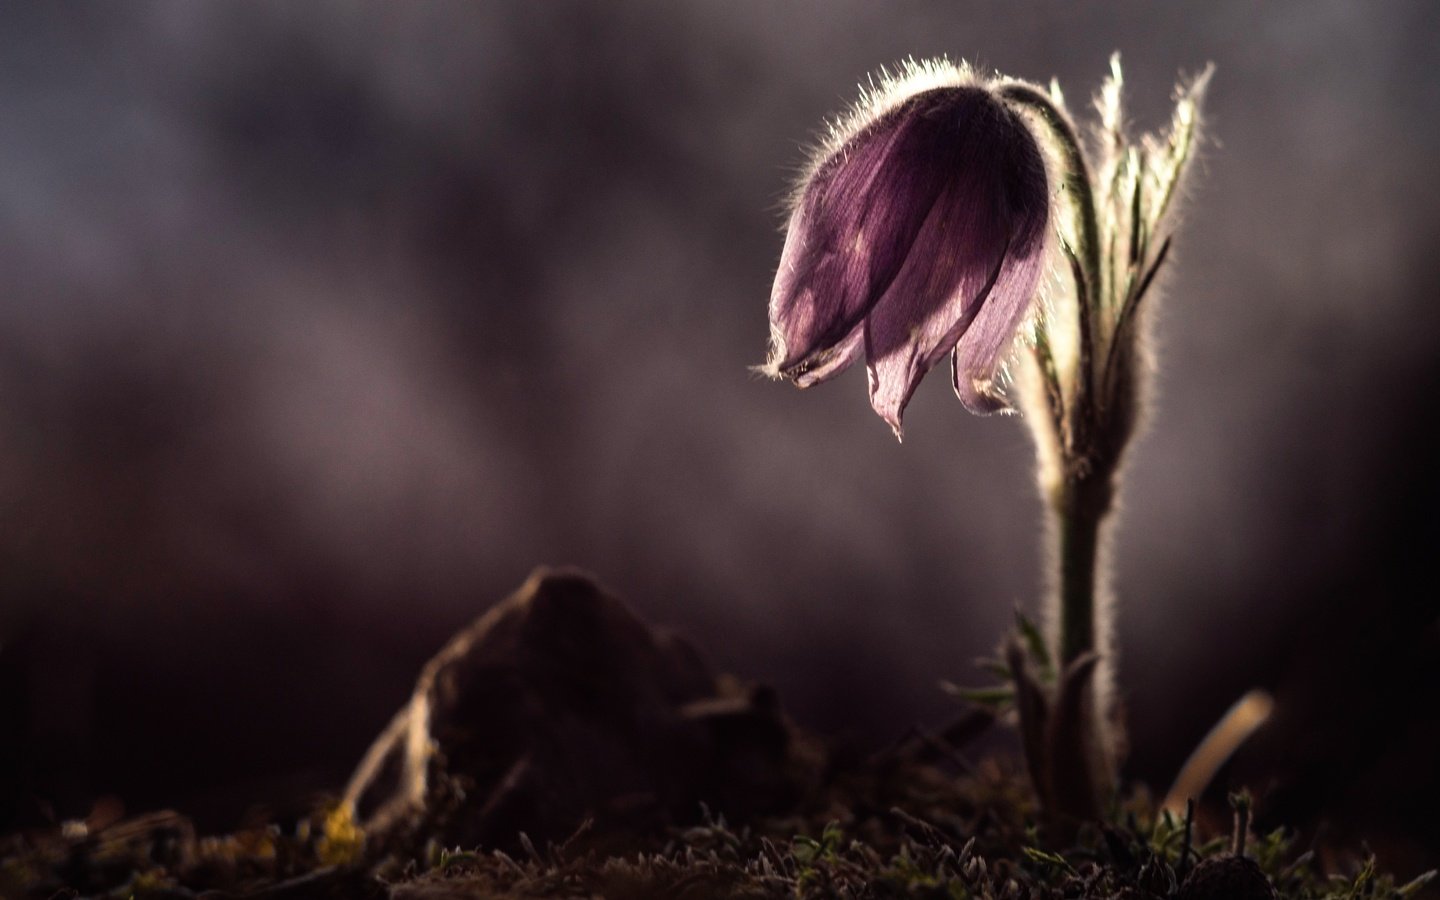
(1083, 499)
(1083, 503)
(1081, 758)
(1080, 489)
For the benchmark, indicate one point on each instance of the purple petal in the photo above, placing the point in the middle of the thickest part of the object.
(853, 228)
(996, 197)
(829, 363)
(977, 356)
(931, 302)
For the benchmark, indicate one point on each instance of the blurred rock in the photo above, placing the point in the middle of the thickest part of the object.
(559, 705)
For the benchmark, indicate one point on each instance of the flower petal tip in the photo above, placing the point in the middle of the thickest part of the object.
(819, 365)
(800, 375)
(981, 396)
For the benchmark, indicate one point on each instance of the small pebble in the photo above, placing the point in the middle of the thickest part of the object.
(1227, 878)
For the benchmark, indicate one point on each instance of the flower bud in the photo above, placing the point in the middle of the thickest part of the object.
(919, 230)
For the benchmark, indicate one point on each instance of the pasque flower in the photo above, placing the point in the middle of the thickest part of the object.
(918, 230)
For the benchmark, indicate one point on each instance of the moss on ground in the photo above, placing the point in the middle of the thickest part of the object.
(890, 829)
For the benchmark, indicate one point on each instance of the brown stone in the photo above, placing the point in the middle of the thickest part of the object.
(558, 705)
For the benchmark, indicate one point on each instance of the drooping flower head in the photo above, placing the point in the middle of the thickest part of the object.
(919, 229)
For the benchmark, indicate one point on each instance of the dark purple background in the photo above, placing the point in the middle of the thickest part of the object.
(320, 327)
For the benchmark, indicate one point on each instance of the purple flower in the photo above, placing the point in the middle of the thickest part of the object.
(918, 231)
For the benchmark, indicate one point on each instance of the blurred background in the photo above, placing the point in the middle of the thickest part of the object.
(320, 327)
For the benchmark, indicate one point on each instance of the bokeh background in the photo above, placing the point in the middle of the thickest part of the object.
(320, 325)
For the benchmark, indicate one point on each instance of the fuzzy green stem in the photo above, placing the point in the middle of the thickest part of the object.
(1084, 497)
(1080, 487)
(1083, 504)
(1079, 539)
